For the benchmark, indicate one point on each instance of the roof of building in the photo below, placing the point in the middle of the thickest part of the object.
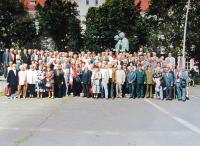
(144, 4)
(30, 5)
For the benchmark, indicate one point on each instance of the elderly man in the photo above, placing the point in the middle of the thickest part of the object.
(140, 76)
(184, 78)
(120, 79)
(169, 81)
(149, 82)
(105, 79)
(177, 81)
(131, 78)
(171, 59)
(111, 85)
(86, 80)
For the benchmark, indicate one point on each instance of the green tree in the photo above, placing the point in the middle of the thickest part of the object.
(103, 23)
(167, 18)
(166, 24)
(15, 25)
(193, 33)
(60, 19)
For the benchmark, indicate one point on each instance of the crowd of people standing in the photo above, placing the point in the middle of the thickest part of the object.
(38, 73)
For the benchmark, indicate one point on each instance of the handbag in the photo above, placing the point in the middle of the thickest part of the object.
(48, 84)
(7, 91)
(91, 91)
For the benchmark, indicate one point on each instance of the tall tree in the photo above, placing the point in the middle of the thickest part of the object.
(193, 33)
(103, 23)
(15, 25)
(60, 19)
(167, 18)
(166, 21)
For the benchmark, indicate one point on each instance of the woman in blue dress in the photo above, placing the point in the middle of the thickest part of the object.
(40, 82)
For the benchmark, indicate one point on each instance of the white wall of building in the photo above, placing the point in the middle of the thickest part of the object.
(84, 5)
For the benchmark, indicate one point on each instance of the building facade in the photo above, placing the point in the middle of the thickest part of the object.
(30, 5)
(83, 5)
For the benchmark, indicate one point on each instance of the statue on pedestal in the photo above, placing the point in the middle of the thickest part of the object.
(122, 44)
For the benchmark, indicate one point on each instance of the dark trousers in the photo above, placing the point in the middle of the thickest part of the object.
(31, 89)
(111, 88)
(60, 90)
(132, 90)
(140, 90)
(125, 88)
(76, 86)
(86, 89)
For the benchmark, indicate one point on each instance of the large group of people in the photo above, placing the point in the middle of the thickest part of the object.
(37, 74)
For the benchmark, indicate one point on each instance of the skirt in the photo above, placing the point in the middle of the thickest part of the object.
(96, 89)
(40, 87)
(31, 89)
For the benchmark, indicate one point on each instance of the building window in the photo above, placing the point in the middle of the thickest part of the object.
(187, 64)
(32, 2)
(96, 2)
(87, 2)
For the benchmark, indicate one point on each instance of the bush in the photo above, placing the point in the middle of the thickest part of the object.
(196, 79)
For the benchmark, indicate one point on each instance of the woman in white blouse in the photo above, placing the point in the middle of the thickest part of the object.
(31, 80)
(22, 81)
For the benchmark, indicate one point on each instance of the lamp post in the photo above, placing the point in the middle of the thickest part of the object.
(185, 33)
(37, 27)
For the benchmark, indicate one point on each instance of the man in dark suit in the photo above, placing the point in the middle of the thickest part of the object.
(25, 57)
(140, 79)
(86, 80)
(169, 80)
(29, 57)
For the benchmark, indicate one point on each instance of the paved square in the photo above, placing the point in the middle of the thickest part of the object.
(88, 122)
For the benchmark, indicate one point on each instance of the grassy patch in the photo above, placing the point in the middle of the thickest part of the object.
(197, 86)
(1, 94)
(22, 140)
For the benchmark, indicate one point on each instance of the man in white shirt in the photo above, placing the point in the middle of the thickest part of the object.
(105, 79)
(120, 79)
(171, 59)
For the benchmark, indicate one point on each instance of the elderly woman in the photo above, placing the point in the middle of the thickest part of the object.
(59, 80)
(22, 82)
(96, 77)
(76, 85)
(50, 82)
(12, 80)
(40, 83)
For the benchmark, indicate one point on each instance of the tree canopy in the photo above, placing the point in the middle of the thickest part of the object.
(104, 22)
(60, 19)
(15, 26)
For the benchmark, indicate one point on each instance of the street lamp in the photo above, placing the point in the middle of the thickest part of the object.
(184, 37)
(37, 27)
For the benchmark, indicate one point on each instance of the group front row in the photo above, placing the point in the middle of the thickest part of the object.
(105, 81)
